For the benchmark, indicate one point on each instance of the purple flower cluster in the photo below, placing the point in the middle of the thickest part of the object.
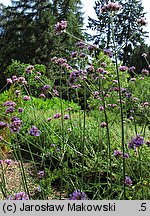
(42, 95)
(74, 54)
(118, 153)
(66, 117)
(142, 22)
(8, 161)
(46, 88)
(41, 174)
(123, 68)
(131, 69)
(128, 181)
(111, 6)
(145, 71)
(16, 79)
(103, 125)
(9, 104)
(92, 47)
(80, 44)
(15, 125)
(108, 52)
(3, 124)
(90, 68)
(60, 26)
(20, 109)
(18, 196)
(34, 131)
(29, 69)
(10, 109)
(62, 62)
(77, 195)
(57, 115)
(148, 143)
(136, 142)
(26, 98)
(49, 119)
(17, 92)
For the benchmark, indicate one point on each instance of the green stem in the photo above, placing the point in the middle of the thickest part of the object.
(121, 107)
(109, 170)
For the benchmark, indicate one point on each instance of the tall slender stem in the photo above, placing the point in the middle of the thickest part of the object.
(120, 101)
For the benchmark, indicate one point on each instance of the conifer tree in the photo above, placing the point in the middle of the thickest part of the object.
(27, 30)
(127, 31)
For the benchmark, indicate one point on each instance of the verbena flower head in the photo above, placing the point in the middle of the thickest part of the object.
(10, 109)
(101, 108)
(145, 104)
(103, 64)
(117, 153)
(136, 142)
(123, 68)
(60, 61)
(9, 103)
(17, 92)
(103, 125)
(9, 81)
(21, 78)
(15, 79)
(42, 96)
(142, 22)
(148, 143)
(74, 54)
(19, 196)
(114, 105)
(41, 174)
(92, 47)
(131, 118)
(76, 86)
(34, 131)
(90, 68)
(26, 98)
(82, 55)
(128, 181)
(29, 69)
(60, 27)
(131, 69)
(100, 70)
(46, 87)
(77, 195)
(108, 52)
(15, 125)
(126, 155)
(80, 44)
(20, 109)
(8, 161)
(111, 6)
(145, 71)
(144, 55)
(55, 92)
(57, 115)
(133, 79)
(66, 117)
(49, 119)
(3, 124)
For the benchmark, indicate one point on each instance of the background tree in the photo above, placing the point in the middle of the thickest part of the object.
(137, 58)
(127, 30)
(27, 30)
